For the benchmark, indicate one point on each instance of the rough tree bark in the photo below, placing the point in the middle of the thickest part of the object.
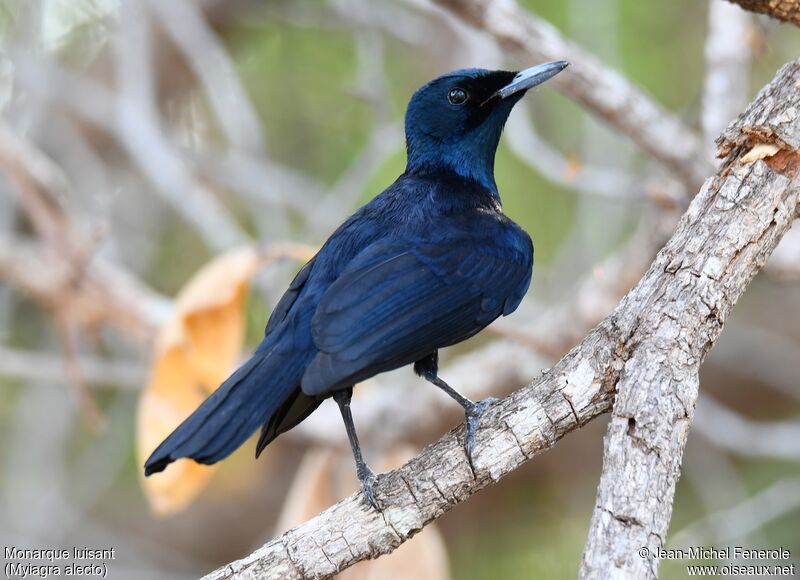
(649, 350)
(679, 309)
(786, 10)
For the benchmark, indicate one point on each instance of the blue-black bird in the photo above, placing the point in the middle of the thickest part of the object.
(426, 264)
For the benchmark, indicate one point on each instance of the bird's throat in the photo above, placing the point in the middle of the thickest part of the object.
(470, 158)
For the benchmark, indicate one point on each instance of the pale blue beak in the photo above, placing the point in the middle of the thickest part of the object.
(530, 77)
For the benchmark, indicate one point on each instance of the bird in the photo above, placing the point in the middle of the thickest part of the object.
(426, 264)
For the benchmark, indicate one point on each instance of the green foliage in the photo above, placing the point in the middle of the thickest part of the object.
(301, 83)
(663, 51)
(179, 253)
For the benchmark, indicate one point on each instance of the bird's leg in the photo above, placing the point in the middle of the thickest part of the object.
(429, 368)
(473, 410)
(365, 475)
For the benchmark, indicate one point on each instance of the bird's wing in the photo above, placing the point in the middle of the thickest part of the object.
(396, 303)
(289, 297)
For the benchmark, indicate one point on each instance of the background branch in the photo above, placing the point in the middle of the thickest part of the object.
(69, 277)
(727, 58)
(741, 436)
(752, 514)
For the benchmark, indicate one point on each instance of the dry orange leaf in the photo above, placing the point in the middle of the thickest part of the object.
(195, 351)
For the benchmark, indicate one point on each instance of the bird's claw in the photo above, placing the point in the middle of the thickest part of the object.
(473, 418)
(368, 478)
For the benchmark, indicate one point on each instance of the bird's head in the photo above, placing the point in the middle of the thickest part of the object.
(454, 122)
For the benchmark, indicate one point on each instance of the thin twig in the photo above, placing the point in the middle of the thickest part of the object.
(211, 64)
(727, 57)
(69, 276)
(37, 366)
(755, 512)
(741, 436)
(138, 127)
(70, 353)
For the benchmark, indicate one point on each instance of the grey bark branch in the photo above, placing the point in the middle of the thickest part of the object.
(602, 90)
(48, 367)
(727, 57)
(678, 311)
(215, 70)
(741, 436)
(649, 349)
(741, 520)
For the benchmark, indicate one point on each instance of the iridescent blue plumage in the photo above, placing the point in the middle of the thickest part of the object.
(426, 264)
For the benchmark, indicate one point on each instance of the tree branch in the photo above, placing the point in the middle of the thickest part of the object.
(602, 90)
(786, 10)
(663, 326)
(679, 308)
(185, 23)
(69, 277)
(727, 58)
(138, 126)
(741, 436)
(743, 519)
(48, 367)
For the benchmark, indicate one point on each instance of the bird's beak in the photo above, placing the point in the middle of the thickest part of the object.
(530, 77)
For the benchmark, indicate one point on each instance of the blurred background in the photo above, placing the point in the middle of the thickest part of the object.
(166, 167)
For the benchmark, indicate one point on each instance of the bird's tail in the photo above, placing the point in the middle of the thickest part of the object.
(226, 419)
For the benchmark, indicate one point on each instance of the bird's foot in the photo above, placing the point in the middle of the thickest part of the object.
(474, 413)
(368, 478)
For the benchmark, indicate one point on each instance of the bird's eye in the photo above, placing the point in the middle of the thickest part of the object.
(457, 96)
